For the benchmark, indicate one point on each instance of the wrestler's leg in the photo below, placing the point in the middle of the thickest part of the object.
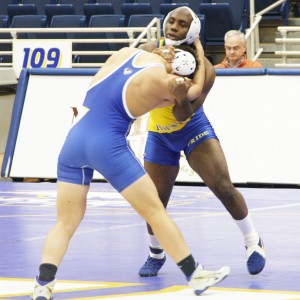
(207, 159)
(164, 177)
(71, 205)
(143, 196)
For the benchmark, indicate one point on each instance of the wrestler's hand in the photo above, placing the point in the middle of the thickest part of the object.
(179, 88)
(166, 52)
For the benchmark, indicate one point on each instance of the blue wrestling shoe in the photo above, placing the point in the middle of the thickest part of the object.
(256, 258)
(151, 267)
(202, 279)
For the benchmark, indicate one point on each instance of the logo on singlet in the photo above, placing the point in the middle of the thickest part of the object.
(127, 71)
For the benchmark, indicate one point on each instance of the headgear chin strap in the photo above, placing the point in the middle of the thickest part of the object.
(192, 34)
(184, 63)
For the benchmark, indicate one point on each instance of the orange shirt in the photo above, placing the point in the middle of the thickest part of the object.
(244, 64)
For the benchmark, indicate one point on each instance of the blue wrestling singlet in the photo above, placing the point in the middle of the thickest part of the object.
(98, 140)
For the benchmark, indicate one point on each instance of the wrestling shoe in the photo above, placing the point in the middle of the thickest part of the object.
(42, 292)
(256, 258)
(151, 267)
(202, 279)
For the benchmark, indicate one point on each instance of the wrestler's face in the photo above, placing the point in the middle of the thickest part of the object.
(178, 24)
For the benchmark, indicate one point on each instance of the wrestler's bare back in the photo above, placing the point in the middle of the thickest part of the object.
(150, 89)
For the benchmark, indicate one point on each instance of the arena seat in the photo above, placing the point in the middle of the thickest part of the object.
(20, 9)
(165, 8)
(40, 4)
(4, 46)
(194, 5)
(3, 21)
(155, 4)
(218, 20)
(202, 30)
(78, 5)
(3, 6)
(143, 21)
(58, 9)
(110, 20)
(280, 12)
(29, 21)
(240, 12)
(67, 21)
(116, 20)
(92, 9)
(129, 9)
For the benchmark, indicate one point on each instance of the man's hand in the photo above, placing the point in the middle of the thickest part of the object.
(166, 52)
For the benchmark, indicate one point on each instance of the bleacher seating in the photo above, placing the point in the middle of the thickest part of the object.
(165, 8)
(202, 30)
(280, 12)
(216, 16)
(67, 21)
(155, 4)
(143, 21)
(110, 20)
(20, 9)
(4, 46)
(3, 6)
(129, 9)
(114, 20)
(40, 4)
(58, 9)
(78, 5)
(194, 5)
(29, 21)
(240, 12)
(92, 9)
(3, 21)
(218, 20)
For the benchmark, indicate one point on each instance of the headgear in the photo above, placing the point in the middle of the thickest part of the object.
(192, 34)
(184, 63)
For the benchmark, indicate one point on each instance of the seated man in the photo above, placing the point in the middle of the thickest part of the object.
(235, 48)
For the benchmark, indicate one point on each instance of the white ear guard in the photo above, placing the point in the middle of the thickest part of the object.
(192, 34)
(184, 63)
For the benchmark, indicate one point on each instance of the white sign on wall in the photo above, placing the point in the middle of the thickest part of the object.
(41, 54)
(258, 129)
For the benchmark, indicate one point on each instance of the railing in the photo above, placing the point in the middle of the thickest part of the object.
(252, 34)
(284, 40)
(147, 34)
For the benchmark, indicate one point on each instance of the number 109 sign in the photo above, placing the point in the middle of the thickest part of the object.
(41, 54)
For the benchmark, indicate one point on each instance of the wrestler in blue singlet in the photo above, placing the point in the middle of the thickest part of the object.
(98, 140)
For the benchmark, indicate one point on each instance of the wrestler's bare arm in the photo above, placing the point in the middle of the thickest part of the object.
(183, 112)
(149, 47)
(155, 88)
